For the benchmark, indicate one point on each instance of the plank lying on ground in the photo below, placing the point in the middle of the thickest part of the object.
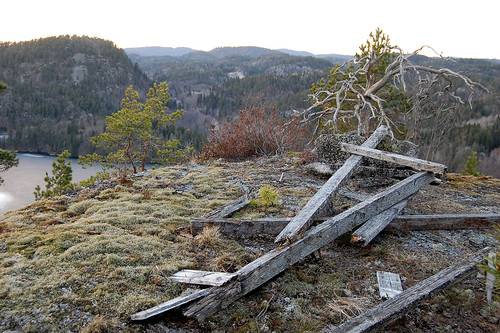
(230, 208)
(389, 284)
(173, 303)
(443, 222)
(271, 226)
(376, 224)
(411, 162)
(205, 278)
(390, 308)
(320, 203)
(276, 261)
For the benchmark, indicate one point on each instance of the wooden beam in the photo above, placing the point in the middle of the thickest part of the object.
(376, 224)
(276, 261)
(320, 203)
(411, 162)
(230, 208)
(390, 308)
(205, 278)
(271, 226)
(443, 222)
(173, 303)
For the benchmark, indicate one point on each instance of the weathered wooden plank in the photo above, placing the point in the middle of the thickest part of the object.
(320, 203)
(376, 224)
(390, 308)
(443, 222)
(389, 284)
(274, 262)
(205, 278)
(490, 278)
(230, 208)
(414, 163)
(242, 227)
(359, 196)
(173, 303)
(271, 226)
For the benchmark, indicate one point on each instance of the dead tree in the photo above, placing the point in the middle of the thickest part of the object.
(372, 89)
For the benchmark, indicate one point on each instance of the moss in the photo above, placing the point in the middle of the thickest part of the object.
(110, 252)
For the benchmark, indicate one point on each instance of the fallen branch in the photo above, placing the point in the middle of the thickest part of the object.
(390, 308)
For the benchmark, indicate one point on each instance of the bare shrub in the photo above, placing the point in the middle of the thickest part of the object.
(257, 131)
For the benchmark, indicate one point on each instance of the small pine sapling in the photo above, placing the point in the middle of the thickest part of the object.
(60, 181)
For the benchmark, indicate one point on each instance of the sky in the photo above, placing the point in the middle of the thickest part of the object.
(456, 28)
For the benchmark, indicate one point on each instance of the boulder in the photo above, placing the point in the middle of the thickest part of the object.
(372, 172)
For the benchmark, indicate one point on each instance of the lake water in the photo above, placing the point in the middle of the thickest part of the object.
(20, 182)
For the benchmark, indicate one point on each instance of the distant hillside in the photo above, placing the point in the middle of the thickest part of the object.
(59, 91)
(218, 83)
(158, 51)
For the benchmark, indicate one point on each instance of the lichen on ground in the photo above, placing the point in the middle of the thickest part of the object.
(87, 261)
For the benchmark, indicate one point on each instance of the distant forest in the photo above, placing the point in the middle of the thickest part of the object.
(60, 90)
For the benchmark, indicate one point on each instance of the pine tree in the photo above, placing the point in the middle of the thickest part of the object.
(60, 181)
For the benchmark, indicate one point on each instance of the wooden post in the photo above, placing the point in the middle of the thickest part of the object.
(320, 203)
(274, 262)
(411, 162)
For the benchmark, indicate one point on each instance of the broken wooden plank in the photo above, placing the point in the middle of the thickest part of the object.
(414, 163)
(390, 308)
(376, 224)
(389, 284)
(231, 207)
(274, 262)
(320, 203)
(205, 278)
(443, 222)
(173, 303)
(271, 226)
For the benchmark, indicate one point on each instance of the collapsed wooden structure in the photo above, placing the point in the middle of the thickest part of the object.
(298, 239)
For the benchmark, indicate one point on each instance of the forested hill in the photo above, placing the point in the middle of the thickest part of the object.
(216, 84)
(59, 91)
(61, 88)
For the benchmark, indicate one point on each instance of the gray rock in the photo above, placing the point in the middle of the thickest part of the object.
(319, 169)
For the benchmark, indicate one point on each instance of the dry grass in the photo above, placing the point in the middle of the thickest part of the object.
(348, 307)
